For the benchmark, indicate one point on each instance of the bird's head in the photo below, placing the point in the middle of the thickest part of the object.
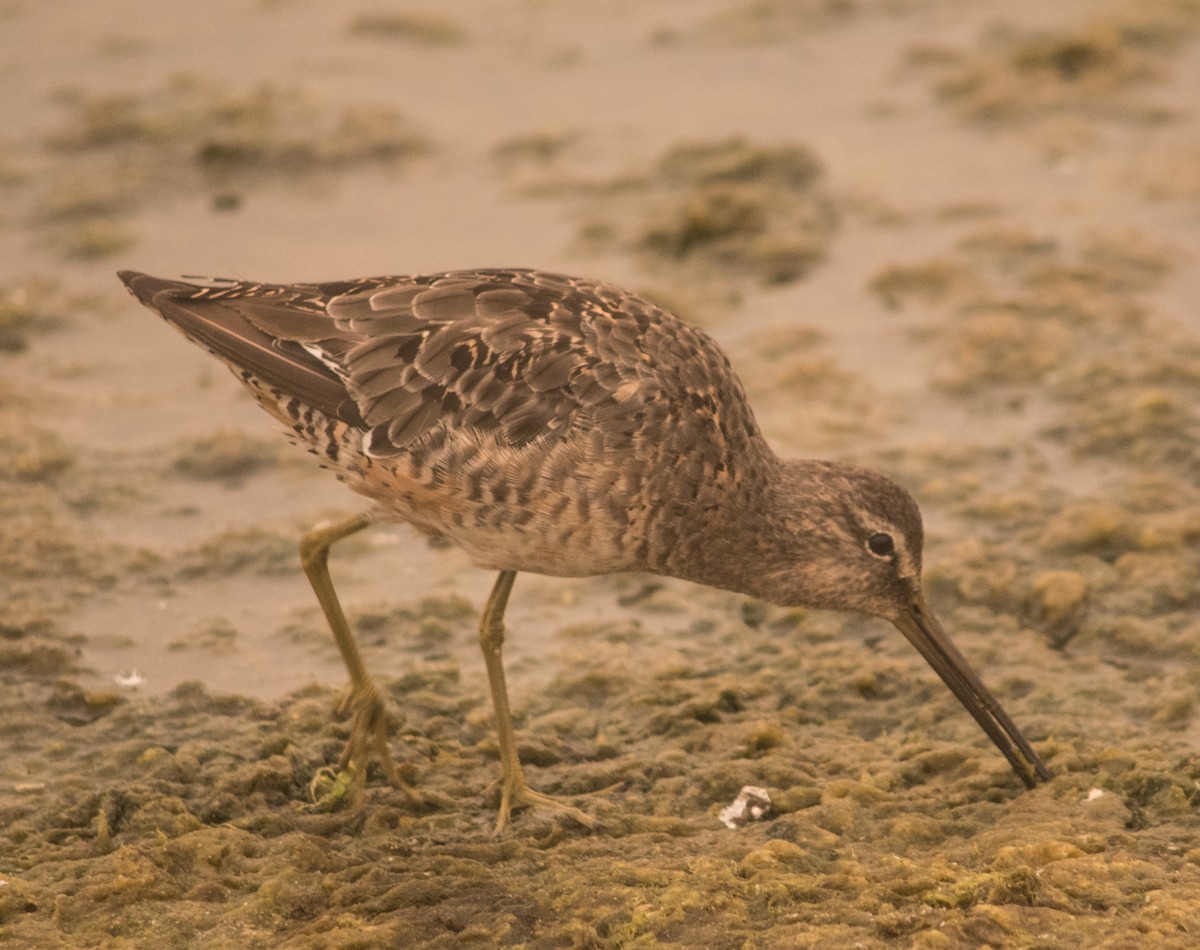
(851, 539)
(848, 538)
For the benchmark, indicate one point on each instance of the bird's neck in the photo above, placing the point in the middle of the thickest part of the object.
(736, 543)
(765, 539)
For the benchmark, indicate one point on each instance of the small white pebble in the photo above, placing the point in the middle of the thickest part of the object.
(752, 804)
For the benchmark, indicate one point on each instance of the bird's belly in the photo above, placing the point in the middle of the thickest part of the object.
(581, 555)
(544, 529)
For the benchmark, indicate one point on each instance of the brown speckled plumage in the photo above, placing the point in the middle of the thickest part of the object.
(564, 426)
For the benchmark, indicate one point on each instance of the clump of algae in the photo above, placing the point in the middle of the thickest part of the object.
(1018, 76)
(239, 550)
(205, 127)
(127, 150)
(749, 209)
(420, 30)
(731, 207)
(226, 454)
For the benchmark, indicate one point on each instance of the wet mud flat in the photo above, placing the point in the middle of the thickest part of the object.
(969, 262)
(192, 817)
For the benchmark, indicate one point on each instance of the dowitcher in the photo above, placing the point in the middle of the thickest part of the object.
(561, 426)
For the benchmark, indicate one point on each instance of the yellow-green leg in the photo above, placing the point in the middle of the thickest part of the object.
(368, 727)
(514, 793)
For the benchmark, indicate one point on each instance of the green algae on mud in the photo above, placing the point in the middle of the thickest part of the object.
(226, 454)
(741, 207)
(218, 132)
(125, 151)
(196, 817)
(730, 209)
(1096, 69)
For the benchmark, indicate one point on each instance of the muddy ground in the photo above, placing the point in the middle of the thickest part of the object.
(957, 240)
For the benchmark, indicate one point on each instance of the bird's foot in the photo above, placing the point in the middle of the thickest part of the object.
(368, 740)
(514, 794)
(329, 787)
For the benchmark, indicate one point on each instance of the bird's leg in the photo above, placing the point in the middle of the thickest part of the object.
(368, 728)
(514, 793)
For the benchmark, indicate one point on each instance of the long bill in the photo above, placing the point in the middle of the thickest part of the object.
(918, 623)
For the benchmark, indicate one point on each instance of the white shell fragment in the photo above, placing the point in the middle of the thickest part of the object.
(752, 804)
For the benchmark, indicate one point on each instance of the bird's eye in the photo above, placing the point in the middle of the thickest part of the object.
(881, 545)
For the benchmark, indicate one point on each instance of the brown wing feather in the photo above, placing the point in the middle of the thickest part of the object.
(496, 351)
(517, 355)
(220, 326)
(478, 349)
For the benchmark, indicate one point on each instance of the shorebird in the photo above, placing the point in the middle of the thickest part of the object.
(561, 426)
